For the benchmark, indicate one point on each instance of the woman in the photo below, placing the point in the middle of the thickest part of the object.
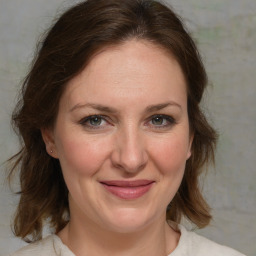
(113, 136)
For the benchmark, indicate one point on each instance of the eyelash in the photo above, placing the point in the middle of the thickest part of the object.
(84, 121)
(168, 119)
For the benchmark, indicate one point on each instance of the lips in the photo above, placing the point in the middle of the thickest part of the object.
(128, 189)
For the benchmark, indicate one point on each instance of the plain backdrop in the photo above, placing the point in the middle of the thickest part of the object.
(225, 31)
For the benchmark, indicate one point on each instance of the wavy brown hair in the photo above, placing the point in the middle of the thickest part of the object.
(74, 39)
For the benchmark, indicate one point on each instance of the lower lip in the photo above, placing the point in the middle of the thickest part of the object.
(128, 192)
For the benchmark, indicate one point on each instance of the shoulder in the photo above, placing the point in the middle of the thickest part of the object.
(48, 246)
(193, 244)
(205, 246)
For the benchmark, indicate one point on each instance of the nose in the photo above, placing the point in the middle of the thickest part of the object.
(129, 152)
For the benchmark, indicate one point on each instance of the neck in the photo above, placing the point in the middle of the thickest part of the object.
(88, 239)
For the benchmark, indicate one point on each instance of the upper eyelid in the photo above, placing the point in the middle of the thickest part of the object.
(85, 119)
(163, 116)
(94, 115)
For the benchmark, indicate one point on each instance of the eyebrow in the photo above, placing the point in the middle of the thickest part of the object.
(111, 110)
(157, 107)
(94, 106)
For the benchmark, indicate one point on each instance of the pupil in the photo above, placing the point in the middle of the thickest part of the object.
(95, 121)
(157, 120)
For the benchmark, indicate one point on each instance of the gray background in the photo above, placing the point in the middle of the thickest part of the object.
(226, 34)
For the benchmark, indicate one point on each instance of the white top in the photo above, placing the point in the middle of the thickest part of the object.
(190, 244)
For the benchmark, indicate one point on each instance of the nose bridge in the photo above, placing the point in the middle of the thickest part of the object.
(130, 152)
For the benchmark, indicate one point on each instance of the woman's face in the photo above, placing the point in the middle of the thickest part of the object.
(122, 137)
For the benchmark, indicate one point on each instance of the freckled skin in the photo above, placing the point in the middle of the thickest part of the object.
(129, 78)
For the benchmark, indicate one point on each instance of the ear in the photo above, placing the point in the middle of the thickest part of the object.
(191, 138)
(48, 138)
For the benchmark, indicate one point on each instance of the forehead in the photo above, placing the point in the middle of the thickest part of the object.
(134, 68)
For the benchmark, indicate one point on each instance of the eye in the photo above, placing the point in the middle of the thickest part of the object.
(93, 122)
(161, 121)
(158, 120)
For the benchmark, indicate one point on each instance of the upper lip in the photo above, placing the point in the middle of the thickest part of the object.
(126, 183)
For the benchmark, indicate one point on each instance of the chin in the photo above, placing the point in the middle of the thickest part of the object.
(130, 220)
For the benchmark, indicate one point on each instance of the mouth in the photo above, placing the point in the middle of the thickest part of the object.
(128, 189)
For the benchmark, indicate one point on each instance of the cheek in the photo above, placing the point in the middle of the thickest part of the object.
(82, 156)
(170, 156)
